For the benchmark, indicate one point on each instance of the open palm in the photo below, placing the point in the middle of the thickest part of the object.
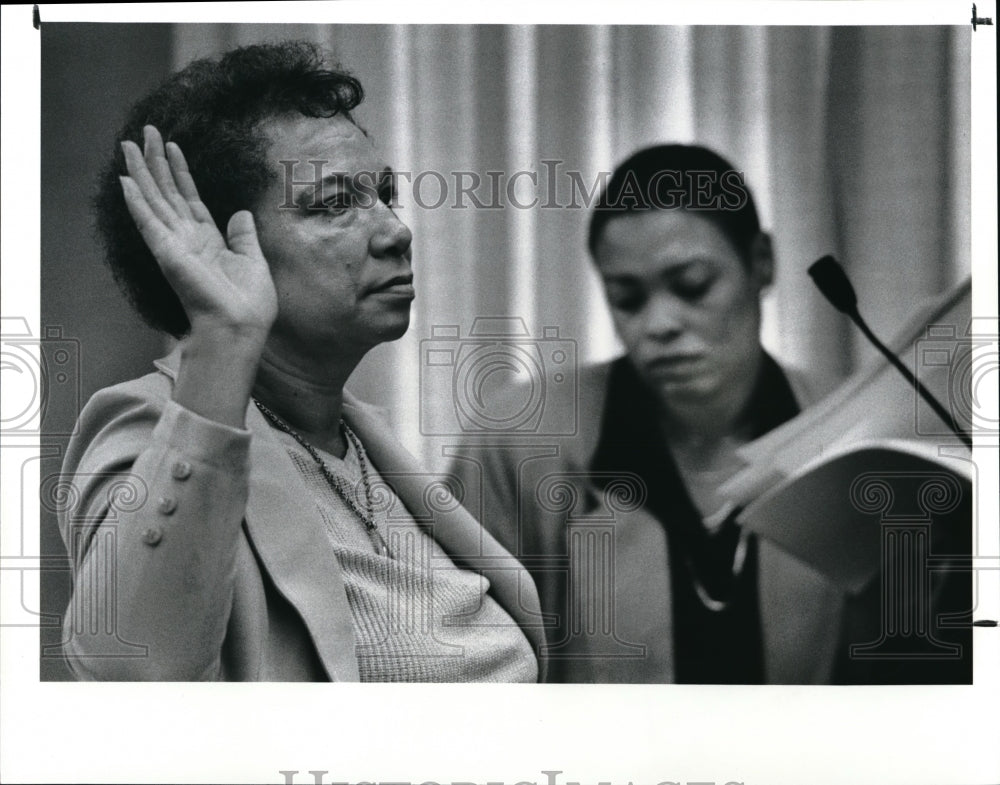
(221, 282)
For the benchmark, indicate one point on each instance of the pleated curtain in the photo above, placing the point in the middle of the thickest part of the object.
(854, 141)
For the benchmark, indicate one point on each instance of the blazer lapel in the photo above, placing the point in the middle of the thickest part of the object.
(461, 536)
(289, 536)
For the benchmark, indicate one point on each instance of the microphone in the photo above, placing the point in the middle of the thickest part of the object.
(833, 282)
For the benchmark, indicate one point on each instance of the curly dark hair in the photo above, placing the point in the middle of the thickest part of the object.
(214, 110)
(685, 177)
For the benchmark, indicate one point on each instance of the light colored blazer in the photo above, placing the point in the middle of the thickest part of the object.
(531, 492)
(199, 554)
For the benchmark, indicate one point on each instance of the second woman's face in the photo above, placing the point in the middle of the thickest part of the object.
(338, 253)
(686, 305)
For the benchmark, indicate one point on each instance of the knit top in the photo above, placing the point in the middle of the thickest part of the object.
(417, 616)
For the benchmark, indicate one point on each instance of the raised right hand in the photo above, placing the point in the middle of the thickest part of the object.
(224, 285)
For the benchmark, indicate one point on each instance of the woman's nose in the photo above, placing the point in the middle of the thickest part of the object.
(664, 317)
(391, 236)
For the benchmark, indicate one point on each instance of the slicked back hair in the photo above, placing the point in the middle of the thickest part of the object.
(682, 177)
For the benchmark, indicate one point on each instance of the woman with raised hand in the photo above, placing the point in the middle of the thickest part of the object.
(276, 529)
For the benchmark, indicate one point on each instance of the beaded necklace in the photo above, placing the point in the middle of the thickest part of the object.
(336, 483)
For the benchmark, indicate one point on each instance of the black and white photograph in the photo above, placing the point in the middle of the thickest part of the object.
(617, 389)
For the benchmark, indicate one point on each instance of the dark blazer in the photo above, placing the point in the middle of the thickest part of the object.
(199, 554)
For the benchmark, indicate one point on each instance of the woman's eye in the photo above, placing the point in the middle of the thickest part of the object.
(692, 291)
(626, 300)
(339, 204)
(693, 287)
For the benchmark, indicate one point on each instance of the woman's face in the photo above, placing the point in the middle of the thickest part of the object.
(686, 305)
(339, 256)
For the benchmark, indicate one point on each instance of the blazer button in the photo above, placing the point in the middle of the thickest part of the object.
(166, 505)
(152, 535)
(181, 470)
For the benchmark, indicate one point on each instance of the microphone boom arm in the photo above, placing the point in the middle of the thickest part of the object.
(833, 282)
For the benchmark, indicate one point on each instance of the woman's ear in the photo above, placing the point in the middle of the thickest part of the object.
(762, 260)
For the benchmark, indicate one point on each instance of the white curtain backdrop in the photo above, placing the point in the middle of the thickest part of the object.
(855, 141)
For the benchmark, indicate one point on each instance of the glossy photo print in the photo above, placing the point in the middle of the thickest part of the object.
(545, 373)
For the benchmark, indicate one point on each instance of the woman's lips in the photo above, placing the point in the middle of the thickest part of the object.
(673, 366)
(399, 286)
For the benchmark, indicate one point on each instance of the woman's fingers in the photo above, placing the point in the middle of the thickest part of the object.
(184, 271)
(159, 167)
(154, 233)
(179, 231)
(149, 189)
(242, 235)
(185, 183)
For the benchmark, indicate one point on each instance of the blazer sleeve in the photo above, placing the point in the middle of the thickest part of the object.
(156, 497)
